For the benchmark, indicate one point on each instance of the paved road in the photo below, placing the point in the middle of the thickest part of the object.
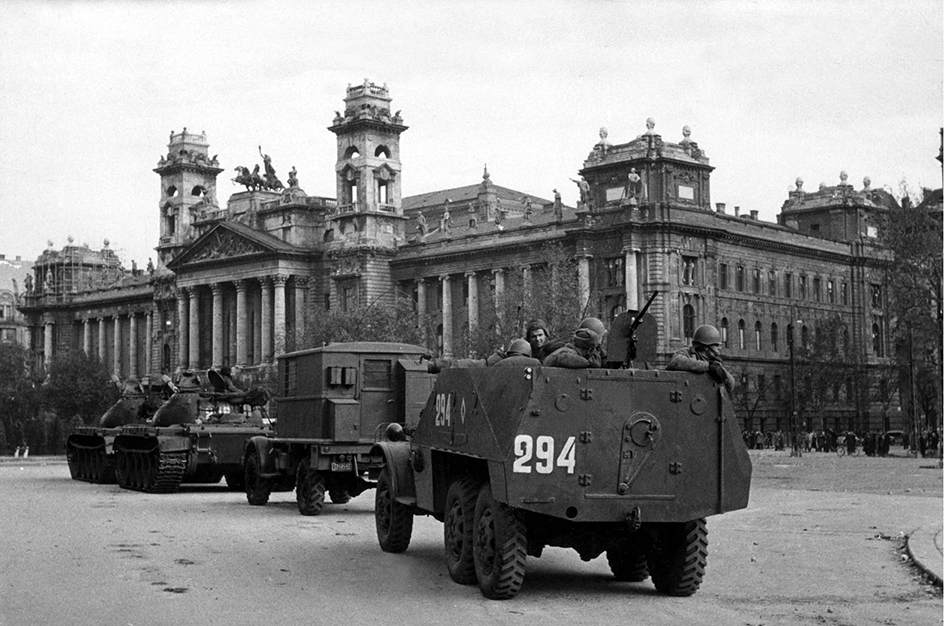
(810, 549)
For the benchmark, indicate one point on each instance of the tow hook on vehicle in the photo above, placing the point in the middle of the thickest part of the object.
(634, 519)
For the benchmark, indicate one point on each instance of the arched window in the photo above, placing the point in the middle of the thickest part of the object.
(724, 332)
(352, 152)
(171, 191)
(688, 321)
(773, 336)
(197, 191)
(757, 333)
(740, 334)
(382, 152)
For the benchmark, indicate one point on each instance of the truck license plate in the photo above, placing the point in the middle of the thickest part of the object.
(345, 466)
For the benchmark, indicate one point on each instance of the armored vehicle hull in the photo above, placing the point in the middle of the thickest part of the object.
(623, 462)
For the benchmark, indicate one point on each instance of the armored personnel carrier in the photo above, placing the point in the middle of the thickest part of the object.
(623, 462)
(333, 403)
(197, 436)
(89, 449)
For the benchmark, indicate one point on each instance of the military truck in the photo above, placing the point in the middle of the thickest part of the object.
(622, 462)
(89, 449)
(196, 436)
(333, 404)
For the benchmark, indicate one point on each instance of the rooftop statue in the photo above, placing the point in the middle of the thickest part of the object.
(584, 188)
(293, 178)
(558, 206)
(271, 180)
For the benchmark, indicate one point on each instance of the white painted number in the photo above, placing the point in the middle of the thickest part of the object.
(527, 447)
(443, 409)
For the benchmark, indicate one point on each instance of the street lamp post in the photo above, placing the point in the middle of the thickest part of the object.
(794, 417)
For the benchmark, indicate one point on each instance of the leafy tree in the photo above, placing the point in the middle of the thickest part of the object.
(749, 396)
(375, 321)
(19, 397)
(822, 365)
(78, 384)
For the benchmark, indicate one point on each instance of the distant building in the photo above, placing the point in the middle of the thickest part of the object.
(235, 285)
(13, 284)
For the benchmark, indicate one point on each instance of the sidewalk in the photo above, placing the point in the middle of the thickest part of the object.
(34, 460)
(925, 547)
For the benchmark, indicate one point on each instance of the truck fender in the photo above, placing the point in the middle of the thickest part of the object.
(262, 447)
(396, 456)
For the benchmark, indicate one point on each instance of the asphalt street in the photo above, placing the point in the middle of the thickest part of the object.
(820, 543)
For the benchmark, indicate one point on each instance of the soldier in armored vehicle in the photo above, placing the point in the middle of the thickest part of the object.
(704, 355)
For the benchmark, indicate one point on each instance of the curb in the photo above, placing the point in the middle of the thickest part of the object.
(924, 548)
(33, 460)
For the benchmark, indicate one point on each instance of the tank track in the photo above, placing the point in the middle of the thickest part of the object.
(151, 471)
(91, 465)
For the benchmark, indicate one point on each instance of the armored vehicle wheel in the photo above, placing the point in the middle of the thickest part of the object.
(236, 480)
(257, 487)
(628, 562)
(339, 496)
(500, 546)
(122, 469)
(394, 521)
(72, 458)
(678, 557)
(457, 529)
(309, 489)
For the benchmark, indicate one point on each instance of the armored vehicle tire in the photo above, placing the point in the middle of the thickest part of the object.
(310, 489)
(628, 562)
(236, 480)
(257, 487)
(678, 557)
(394, 521)
(499, 547)
(339, 496)
(458, 522)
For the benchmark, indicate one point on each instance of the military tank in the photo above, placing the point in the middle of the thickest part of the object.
(89, 449)
(197, 436)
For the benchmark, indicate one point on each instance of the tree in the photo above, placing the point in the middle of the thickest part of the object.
(749, 395)
(375, 321)
(913, 234)
(822, 366)
(78, 384)
(19, 397)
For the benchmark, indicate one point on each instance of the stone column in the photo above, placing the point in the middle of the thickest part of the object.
(116, 356)
(194, 330)
(499, 291)
(183, 326)
(266, 315)
(47, 343)
(102, 339)
(242, 324)
(446, 316)
(421, 303)
(256, 304)
(301, 299)
(148, 341)
(217, 289)
(583, 280)
(526, 280)
(87, 336)
(473, 312)
(632, 279)
(278, 308)
(133, 345)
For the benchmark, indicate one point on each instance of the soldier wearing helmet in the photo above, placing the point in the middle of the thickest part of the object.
(704, 355)
(536, 335)
(518, 354)
(580, 352)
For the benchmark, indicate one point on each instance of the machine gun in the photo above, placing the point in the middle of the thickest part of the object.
(621, 340)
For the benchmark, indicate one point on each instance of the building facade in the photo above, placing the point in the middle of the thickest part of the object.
(237, 285)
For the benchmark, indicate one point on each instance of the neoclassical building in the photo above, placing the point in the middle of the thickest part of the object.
(235, 285)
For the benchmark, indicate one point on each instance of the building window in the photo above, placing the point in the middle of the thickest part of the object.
(615, 275)
(724, 332)
(688, 270)
(831, 292)
(688, 321)
(762, 386)
(757, 333)
(348, 298)
(876, 296)
(788, 285)
(877, 346)
(802, 287)
(722, 276)
(739, 280)
(844, 294)
(817, 290)
(740, 334)
(755, 282)
(805, 337)
(772, 282)
(778, 387)
(773, 336)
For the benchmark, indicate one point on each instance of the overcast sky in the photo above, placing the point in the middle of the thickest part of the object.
(90, 91)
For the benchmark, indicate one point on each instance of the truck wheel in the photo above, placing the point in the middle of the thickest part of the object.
(309, 489)
(458, 523)
(394, 521)
(628, 562)
(339, 496)
(257, 487)
(679, 556)
(499, 547)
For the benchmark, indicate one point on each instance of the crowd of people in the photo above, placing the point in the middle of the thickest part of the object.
(872, 443)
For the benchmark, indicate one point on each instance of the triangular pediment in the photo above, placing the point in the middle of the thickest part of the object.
(224, 241)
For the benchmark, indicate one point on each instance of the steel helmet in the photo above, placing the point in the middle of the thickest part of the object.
(519, 346)
(707, 335)
(593, 324)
